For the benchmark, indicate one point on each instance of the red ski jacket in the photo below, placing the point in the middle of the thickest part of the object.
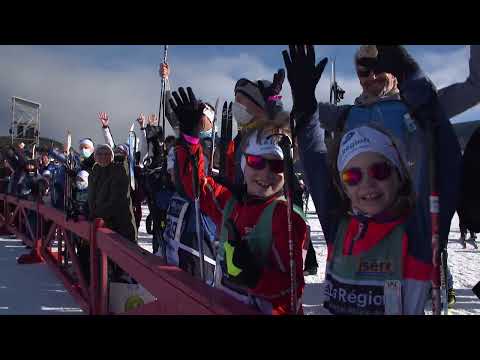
(230, 162)
(274, 284)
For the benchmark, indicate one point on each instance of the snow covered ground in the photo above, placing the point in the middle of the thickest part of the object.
(34, 289)
(464, 265)
(30, 289)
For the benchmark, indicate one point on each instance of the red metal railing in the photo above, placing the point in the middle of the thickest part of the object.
(176, 292)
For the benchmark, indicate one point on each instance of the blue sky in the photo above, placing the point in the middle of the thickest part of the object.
(74, 83)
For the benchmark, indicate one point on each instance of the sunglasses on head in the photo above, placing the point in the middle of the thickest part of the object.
(259, 163)
(379, 171)
(366, 66)
(364, 73)
(243, 82)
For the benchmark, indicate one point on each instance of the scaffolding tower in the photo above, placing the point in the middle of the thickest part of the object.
(25, 125)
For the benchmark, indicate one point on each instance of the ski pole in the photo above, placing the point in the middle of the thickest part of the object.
(438, 251)
(67, 178)
(224, 142)
(286, 145)
(196, 193)
(161, 110)
(336, 93)
(210, 165)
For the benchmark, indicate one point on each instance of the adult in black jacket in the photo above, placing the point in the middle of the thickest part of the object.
(109, 193)
(469, 208)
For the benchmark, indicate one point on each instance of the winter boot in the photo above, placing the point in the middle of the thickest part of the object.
(452, 299)
(149, 224)
(472, 240)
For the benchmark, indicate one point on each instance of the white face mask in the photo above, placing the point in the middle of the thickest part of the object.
(81, 185)
(241, 115)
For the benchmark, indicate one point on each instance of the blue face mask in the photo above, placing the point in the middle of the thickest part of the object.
(85, 153)
(205, 134)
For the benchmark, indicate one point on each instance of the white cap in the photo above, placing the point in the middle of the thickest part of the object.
(86, 142)
(47, 173)
(83, 175)
(264, 145)
(209, 113)
(367, 139)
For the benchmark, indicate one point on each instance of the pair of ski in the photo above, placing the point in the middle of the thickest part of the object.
(68, 201)
(132, 150)
(226, 137)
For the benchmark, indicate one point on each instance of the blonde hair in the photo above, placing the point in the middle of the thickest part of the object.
(366, 51)
(263, 126)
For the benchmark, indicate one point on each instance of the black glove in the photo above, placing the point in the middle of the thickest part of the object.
(188, 111)
(303, 77)
(153, 133)
(72, 173)
(149, 224)
(270, 93)
(243, 259)
(396, 60)
(275, 88)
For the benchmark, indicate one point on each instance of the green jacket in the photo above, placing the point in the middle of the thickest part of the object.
(109, 198)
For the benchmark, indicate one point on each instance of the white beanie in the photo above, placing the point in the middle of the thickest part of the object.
(367, 139)
(86, 142)
(209, 112)
(83, 175)
(263, 145)
(47, 173)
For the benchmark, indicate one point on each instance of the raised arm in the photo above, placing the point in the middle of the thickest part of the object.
(143, 136)
(459, 97)
(213, 196)
(304, 76)
(107, 135)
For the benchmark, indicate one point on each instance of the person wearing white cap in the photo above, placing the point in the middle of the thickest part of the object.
(253, 260)
(401, 98)
(370, 267)
(80, 206)
(259, 103)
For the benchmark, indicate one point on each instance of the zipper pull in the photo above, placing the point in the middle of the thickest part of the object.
(361, 229)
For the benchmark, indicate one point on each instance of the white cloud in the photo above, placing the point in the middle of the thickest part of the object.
(445, 68)
(72, 90)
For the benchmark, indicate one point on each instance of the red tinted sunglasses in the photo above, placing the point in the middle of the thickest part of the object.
(258, 163)
(379, 171)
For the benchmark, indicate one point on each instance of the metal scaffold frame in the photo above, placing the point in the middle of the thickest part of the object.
(25, 126)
